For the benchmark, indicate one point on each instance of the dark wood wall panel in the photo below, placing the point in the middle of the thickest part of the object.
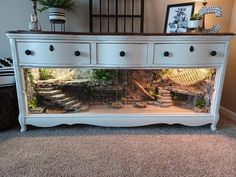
(119, 16)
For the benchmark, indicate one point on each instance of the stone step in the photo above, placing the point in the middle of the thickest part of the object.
(69, 103)
(64, 100)
(83, 108)
(140, 105)
(165, 98)
(116, 105)
(166, 105)
(165, 101)
(41, 84)
(77, 105)
(166, 95)
(44, 89)
(163, 91)
(58, 97)
(191, 91)
(55, 110)
(49, 93)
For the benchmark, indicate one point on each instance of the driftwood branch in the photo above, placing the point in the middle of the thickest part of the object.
(140, 87)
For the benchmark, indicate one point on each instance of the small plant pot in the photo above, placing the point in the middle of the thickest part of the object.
(56, 15)
(194, 24)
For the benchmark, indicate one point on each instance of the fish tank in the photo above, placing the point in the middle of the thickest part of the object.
(149, 91)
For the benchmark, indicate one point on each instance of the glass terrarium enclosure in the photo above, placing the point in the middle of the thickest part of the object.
(57, 90)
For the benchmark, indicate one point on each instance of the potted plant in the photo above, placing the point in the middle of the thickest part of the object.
(56, 9)
(195, 22)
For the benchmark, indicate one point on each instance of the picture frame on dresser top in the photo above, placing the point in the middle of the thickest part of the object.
(160, 51)
(177, 17)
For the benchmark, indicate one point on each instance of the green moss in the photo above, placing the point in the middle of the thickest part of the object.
(33, 103)
(175, 98)
(165, 72)
(153, 91)
(45, 74)
(104, 74)
(200, 102)
(210, 74)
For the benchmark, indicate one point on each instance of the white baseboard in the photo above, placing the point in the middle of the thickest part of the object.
(227, 113)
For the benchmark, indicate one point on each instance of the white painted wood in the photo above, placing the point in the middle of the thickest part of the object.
(219, 81)
(122, 120)
(150, 53)
(19, 87)
(102, 51)
(109, 54)
(63, 53)
(21, 37)
(180, 54)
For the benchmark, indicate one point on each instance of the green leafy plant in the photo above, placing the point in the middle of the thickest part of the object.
(33, 103)
(165, 72)
(200, 102)
(210, 74)
(45, 74)
(30, 76)
(153, 91)
(64, 4)
(104, 74)
(175, 98)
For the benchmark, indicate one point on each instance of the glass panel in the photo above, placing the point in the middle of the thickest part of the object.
(56, 91)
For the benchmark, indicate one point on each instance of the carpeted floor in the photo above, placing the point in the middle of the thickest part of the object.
(89, 151)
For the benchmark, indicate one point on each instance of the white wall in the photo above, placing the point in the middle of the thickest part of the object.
(15, 15)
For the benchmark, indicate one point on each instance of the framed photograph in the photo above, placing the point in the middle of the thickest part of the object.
(177, 17)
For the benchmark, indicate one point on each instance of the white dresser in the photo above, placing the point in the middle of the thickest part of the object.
(145, 51)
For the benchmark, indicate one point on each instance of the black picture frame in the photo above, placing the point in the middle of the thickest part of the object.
(177, 16)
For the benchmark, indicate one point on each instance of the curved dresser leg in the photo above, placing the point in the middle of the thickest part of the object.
(214, 124)
(22, 123)
(213, 127)
(23, 129)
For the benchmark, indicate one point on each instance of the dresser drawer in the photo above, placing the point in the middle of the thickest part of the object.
(188, 54)
(53, 53)
(121, 54)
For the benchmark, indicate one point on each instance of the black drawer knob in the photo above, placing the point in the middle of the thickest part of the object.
(191, 49)
(122, 53)
(77, 53)
(28, 52)
(213, 53)
(51, 48)
(166, 53)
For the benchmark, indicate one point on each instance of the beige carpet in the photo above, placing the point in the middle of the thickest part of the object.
(88, 151)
